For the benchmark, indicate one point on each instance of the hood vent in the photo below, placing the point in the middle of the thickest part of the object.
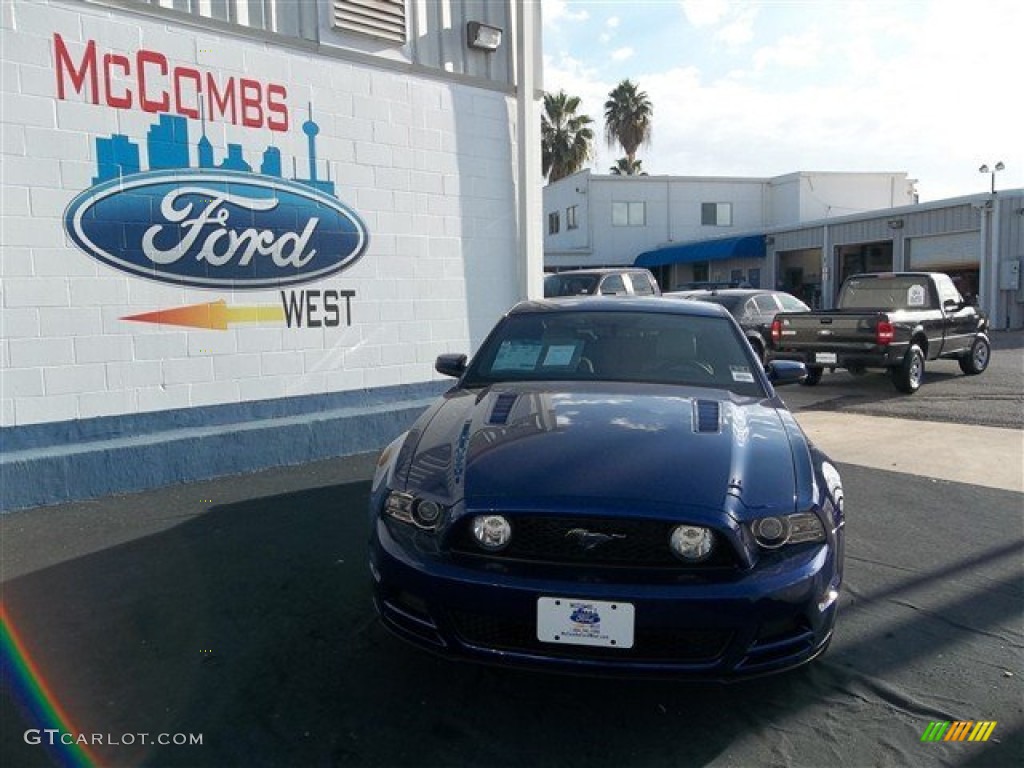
(707, 416)
(502, 409)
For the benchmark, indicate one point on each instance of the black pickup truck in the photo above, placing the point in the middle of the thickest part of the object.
(894, 321)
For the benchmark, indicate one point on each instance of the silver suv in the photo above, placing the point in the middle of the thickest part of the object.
(625, 281)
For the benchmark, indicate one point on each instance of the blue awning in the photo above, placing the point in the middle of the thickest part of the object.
(749, 247)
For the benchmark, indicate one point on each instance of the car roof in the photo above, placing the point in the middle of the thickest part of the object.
(653, 304)
(597, 271)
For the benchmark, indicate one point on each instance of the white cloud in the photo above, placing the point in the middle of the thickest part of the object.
(612, 22)
(555, 11)
(740, 28)
(604, 37)
(621, 54)
(792, 52)
(705, 13)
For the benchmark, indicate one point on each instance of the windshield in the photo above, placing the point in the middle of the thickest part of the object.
(570, 285)
(903, 292)
(636, 346)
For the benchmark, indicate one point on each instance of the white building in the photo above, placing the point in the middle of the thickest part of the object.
(803, 232)
(237, 234)
(593, 220)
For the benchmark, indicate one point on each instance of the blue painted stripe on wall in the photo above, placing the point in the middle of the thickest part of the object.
(113, 460)
(107, 427)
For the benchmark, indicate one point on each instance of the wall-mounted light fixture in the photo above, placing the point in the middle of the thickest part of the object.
(483, 36)
(895, 223)
(985, 169)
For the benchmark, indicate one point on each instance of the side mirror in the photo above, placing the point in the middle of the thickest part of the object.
(952, 305)
(451, 364)
(781, 372)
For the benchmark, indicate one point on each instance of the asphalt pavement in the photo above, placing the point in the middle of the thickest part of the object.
(239, 610)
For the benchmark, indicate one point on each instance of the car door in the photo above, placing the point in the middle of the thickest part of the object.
(960, 319)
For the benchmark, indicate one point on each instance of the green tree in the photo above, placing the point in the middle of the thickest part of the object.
(628, 116)
(566, 139)
(623, 167)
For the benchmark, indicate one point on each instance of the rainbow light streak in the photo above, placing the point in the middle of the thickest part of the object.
(22, 677)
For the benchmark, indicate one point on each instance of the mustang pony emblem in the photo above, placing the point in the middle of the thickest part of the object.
(589, 540)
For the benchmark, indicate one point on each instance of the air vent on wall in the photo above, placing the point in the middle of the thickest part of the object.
(378, 18)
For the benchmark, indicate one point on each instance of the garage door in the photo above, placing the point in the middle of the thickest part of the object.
(959, 250)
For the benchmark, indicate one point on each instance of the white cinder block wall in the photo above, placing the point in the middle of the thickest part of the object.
(426, 163)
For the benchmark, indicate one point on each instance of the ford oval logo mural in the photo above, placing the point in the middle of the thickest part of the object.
(212, 226)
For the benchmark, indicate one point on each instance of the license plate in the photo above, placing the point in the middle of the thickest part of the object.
(826, 357)
(571, 621)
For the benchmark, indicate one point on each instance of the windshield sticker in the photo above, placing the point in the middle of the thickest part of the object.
(916, 296)
(741, 373)
(517, 356)
(560, 355)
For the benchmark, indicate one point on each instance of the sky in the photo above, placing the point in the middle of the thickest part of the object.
(933, 88)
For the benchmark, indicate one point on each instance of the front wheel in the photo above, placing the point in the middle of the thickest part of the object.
(976, 360)
(907, 375)
(813, 377)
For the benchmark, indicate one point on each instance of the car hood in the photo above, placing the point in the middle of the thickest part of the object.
(636, 448)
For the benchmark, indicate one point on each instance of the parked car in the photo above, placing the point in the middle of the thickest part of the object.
(754, 310)
(894, 321)
(601, 282)
(610, 486)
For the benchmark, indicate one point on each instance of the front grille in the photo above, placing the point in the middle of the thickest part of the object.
(589, 541)
(680, 646)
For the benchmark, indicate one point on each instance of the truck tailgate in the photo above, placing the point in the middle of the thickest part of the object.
(829, 330)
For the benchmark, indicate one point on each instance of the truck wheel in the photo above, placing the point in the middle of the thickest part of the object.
(908, 374)
(976, 360)
(812, 378)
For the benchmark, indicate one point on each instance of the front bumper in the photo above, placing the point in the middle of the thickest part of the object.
(768, 620)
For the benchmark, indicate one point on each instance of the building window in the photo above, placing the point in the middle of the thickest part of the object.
(629, 214)
(570, 218)
(282, 18)
(754, 277)
(716, 214)
(378, 18)
(553, 223)
(736, 276)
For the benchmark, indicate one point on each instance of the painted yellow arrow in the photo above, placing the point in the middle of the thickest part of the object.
(216, 315)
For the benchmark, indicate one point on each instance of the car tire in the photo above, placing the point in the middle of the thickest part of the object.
(813, 377)
(907, 376)
(977, 357)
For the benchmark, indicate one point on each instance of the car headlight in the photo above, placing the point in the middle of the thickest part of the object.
(423, 513)
(775, 532)
(692, 543)
(492, 532)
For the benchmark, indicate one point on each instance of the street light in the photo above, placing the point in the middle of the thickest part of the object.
(993, 172)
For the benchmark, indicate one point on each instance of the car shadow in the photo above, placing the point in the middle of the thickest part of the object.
(252, 625)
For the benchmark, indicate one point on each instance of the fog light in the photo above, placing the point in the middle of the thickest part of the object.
(492, 532)
(691, 542)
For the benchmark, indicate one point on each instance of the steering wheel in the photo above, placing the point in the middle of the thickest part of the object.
(585, 366)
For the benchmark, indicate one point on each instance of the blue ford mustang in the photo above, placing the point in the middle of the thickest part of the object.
(611, 486)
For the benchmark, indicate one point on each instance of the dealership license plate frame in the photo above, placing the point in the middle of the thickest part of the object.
(826, 358)
(576, 621)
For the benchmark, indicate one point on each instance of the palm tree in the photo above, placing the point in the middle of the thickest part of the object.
(628, 115)
(623, 167)
(565, 136)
